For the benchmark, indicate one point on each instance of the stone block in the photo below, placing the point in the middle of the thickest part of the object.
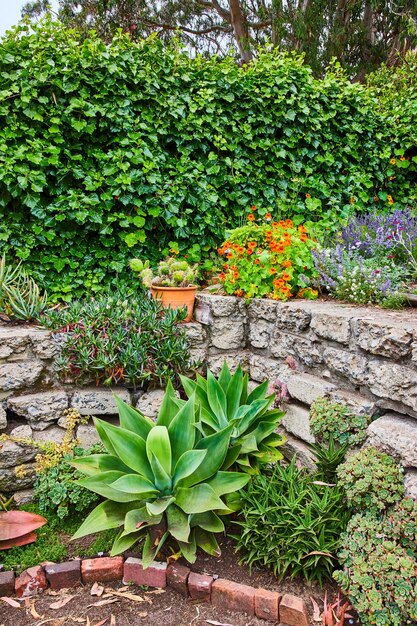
(410, 484)
(298, 448)
(102, 570)
(43, 406)
(297, 422)
(153, 576)
(31, 582)
(54, 434)
(352, 366)
(199, 586)
(177, 578)
(396, 435)
(43, 344)
(6, 584)
(267, 604)
(215, 361)
(227, 333)
(3, 418)
(94, 401)
(261, 368)
(294, 316)
(307, 388)
(12, 454)
(357, 403)
(14, 342)
(293, 611)
(393, 381)
(196, 333)
(262, 309)
(332, 325)
(64, 575)
(392, 340)
(87, 434)
(150, 402)
(306, 349)
(231, 596)
(260, 333)
(20, 374)
(220, 306)
(17, 478)
(23, 497)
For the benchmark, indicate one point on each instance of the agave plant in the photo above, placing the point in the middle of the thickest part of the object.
(225, 402)
(161, 480)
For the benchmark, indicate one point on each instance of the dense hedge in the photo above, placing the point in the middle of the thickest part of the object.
(112, 151)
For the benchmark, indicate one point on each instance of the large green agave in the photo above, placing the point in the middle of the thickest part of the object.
(161, 480)
(225, 402)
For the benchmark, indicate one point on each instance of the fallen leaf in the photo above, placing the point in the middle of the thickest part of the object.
(318, 552)
(112, 620)
(34, 612)
(78, 620)
(126, 595)
(103, 621)
(124, 588)
(142, 614)
(168, 608)
(97, 590)
(60, 603)
(156, 592)
(316, 610)
(103, 602)
(11, 602)
(214, 623)
(57, 622)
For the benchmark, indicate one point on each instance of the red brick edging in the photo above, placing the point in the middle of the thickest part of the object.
(265, 604)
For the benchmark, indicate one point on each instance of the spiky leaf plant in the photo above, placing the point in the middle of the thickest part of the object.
(162, 481)
(225, 402)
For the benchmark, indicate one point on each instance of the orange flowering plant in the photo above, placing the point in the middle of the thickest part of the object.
(267, 258)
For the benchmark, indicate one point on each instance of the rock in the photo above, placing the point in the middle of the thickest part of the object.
(95, 401)
(43, 344)
(17, 478)
(348, 364)
(45, 406)
(297, 422)
(196, 333)
(13, 454)
(220, 306)
(260, 334)
(6, 584)
(332, 325)
(20, 374)
(13, 342)
(87, 435)
(198, 355)
(396, 435)
(307, 388)
(3, 418)
(299, 448)
(262, 368)
(228, 333)
(31, 582)
(358, 404)
(294, 316)
(306, 349)
(260, 309)
(150, 402)
(24, 431)
(266, 604)
(177, 578)
(23, 497)
(393, 381)
(54, 434)
(410, 484)
(215, 361)
(385, 339)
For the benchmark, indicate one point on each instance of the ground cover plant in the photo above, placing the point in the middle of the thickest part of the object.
(122, 336)
(90, 165)
(268, 258)
(334, 420)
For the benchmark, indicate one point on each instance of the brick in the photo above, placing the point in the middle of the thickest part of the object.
(177, 578)
(6, 584)
(266, 604)
(293, 611)
(153, 576)
(64, 575)
(199, 586)
(31, 582)
(226, 594)
(102, 569)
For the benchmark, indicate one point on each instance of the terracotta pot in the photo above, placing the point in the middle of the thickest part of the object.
(175, 297)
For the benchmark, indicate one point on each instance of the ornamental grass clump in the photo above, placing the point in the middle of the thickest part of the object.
(332, 419)
(372, 480)
(162, 481)
(171, 272)
(267, 258)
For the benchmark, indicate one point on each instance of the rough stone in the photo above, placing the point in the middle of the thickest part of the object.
(293, 611)
(232, 596)
(64, 575)
(410, 484)
(155, 575)
(102, 570)
(357, 403)
(392, 341)
(196, 333)
(53, 434)
(228, 333)
(261, 368)
(11, 481)
(3, 418)
(94, 401)
(12, 454)
(306, 349)
(150, 402)
(299, 448)
(332, 325)
(220, 306)
(177, 578)
(267, 604)
(215, 361)
(199, 586)
(23, 497)
(390, 380)
(260, 333)
(31, 582)
(293, 316)
(307, 388)
(87, 434)
(396, 435)
(260, 309)
(348, 364)
(6, 584)
(23, 431)
(297, 422)
(44, 406)
(13, 342)
(19, 375)
(43, 344)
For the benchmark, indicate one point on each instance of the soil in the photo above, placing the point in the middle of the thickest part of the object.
(165, 608)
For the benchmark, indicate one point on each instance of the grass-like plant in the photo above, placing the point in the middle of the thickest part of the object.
(162, 481)
(226, 402)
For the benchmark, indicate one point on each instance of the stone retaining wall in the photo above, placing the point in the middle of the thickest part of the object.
(364, 357)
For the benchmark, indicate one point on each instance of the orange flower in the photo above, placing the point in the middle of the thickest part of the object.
(286, 263)
(229, 255)
(285, 276)
(249, 251)
(238, 293)
(257, 261)
(252, 244)
(352, 200)
(235, 274)
(392, 161)
(402, 158)
(253, 207)
(268, 233)
(220, 251)
(376, 199)
(308, 195)
(282, 223)
(289, 224)
(225, 266)
(233, 268)
(222, 276)
(280, 249)
(278, 283)
(303, 237)
(268, 217)
(251, 217)
(302, 229)
(272, 270)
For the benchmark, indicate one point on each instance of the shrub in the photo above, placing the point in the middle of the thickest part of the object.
(268, 258)
(226, 402)
(119, 337)
(291, 523)
(371, 479)
(161, 480)
(332, 419)
(102, 159)
(378, 557)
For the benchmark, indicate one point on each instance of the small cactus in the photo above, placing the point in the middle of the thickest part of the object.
(169, 273)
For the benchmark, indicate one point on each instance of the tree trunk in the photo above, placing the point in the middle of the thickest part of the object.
(240, 30)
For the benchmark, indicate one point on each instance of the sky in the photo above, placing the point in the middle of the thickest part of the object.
(10, 13)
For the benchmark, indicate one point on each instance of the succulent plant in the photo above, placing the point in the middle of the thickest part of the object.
(170, 273)
(20, 296)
